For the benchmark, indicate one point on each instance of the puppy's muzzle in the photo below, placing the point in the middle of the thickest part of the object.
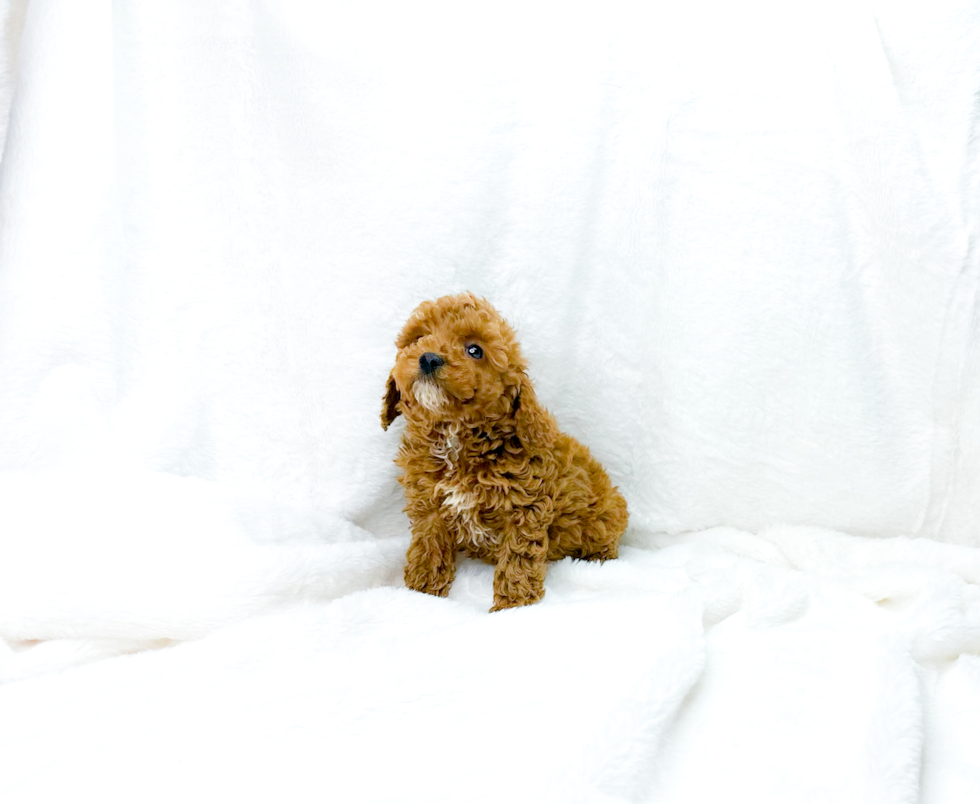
(429, 362)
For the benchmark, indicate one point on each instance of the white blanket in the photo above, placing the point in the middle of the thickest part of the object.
(739, 243)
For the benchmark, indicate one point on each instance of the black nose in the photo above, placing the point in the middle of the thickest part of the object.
(429, 362)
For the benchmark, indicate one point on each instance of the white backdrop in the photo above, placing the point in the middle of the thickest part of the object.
(740, 244)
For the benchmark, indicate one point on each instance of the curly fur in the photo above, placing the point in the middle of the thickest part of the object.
(486, 470)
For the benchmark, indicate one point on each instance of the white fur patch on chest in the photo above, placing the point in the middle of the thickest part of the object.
(461, 504)
(449, 447)
(463, 508)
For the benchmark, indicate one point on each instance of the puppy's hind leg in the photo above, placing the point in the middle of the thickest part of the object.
(601, 543)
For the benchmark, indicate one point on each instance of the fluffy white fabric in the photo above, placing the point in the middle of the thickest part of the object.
(739, 243)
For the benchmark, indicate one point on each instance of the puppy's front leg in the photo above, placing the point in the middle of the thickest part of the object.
(431, 563)
(518, 578)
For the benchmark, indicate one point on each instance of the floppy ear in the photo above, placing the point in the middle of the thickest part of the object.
(389, 409)
(530, 419)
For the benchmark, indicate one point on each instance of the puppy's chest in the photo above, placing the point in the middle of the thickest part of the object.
(467, 505)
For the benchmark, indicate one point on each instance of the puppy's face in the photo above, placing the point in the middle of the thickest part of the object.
(457, 359)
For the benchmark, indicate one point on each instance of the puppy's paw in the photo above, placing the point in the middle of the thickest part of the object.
(500, 603)
(605, 553)
(429, 581)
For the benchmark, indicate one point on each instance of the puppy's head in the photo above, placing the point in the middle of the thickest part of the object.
(457, 360)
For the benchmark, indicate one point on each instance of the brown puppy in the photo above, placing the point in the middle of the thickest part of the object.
(486, 469)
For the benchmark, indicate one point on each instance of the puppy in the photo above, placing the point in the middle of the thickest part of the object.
(485, 468)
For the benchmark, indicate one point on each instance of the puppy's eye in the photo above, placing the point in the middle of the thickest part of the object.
(474, 351)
